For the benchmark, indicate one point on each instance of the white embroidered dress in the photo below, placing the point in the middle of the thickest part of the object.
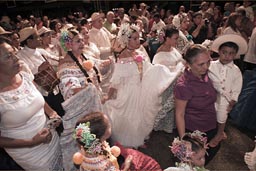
(22, 117)
(137, 101)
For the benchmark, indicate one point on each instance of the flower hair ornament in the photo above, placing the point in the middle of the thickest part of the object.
(125, 33)
(65, 36)
(83, 134)
(139, 61)
(181, 148)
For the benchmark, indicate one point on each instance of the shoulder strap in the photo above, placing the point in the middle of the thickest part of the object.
(94, 68)
(80, 66)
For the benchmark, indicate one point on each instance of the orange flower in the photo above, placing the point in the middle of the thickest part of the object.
(88, 65)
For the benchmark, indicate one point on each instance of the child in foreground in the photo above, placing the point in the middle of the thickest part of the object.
(190, 150)
(91, 133)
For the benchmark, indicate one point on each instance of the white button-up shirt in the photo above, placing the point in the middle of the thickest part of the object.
(227, 80)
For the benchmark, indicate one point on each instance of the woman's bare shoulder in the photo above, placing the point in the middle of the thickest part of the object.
(66, 59)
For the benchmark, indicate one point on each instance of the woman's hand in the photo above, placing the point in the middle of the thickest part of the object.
(55, 120)
(106, 62)
(44, 136)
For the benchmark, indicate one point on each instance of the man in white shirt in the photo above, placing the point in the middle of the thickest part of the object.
(100, 36)
(158, 23)
(34, 57)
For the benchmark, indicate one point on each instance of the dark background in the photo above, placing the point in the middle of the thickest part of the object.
(55, 8)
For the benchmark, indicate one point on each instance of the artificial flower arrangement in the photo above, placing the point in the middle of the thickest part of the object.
(125, 33)
(183, 152)
(93, 146)
(139, 61)
(88, 65)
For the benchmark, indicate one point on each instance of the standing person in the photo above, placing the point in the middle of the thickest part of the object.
(109, 23)
(190, 150)
(100, 36)
(169, 56)
(79, 85)
(89, 47)
(224, 74)
(158, 23)
(232, 27)
(181, 21)
(34, 57)
(250, 56)
(195, 97)
(132, 115)
(23, 125)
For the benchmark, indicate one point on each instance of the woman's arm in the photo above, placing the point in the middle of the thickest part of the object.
(180, 107)
(110, 95)
(44, 136)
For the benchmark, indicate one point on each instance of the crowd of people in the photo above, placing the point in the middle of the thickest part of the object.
(116, 76)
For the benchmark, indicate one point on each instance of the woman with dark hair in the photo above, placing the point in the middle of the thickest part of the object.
(233, 24)
(169, 56)
(190, 150)
(24, 130)
(195, 97)
(79, 85)
(135, 89)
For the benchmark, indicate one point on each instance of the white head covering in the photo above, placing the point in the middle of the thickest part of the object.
(238, 40)
(125, 33)
(177, 19)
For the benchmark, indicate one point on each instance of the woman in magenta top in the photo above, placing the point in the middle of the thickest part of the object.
(195, 97)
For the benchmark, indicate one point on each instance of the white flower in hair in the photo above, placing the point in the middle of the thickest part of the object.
(125, 33)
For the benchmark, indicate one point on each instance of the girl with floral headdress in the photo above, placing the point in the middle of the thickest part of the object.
(190, 150)
(91, 134)
(134, 98)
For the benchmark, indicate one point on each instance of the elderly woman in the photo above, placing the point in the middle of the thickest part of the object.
(80, 88)
(23, 123)
(137, 86)
(195, 97)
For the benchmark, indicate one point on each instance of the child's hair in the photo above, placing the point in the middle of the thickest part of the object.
(180, 147)
(98, 123)
(231, 45)
(89, 130)
(196, 143)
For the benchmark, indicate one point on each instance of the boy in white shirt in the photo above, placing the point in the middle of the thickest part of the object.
(227, 78)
